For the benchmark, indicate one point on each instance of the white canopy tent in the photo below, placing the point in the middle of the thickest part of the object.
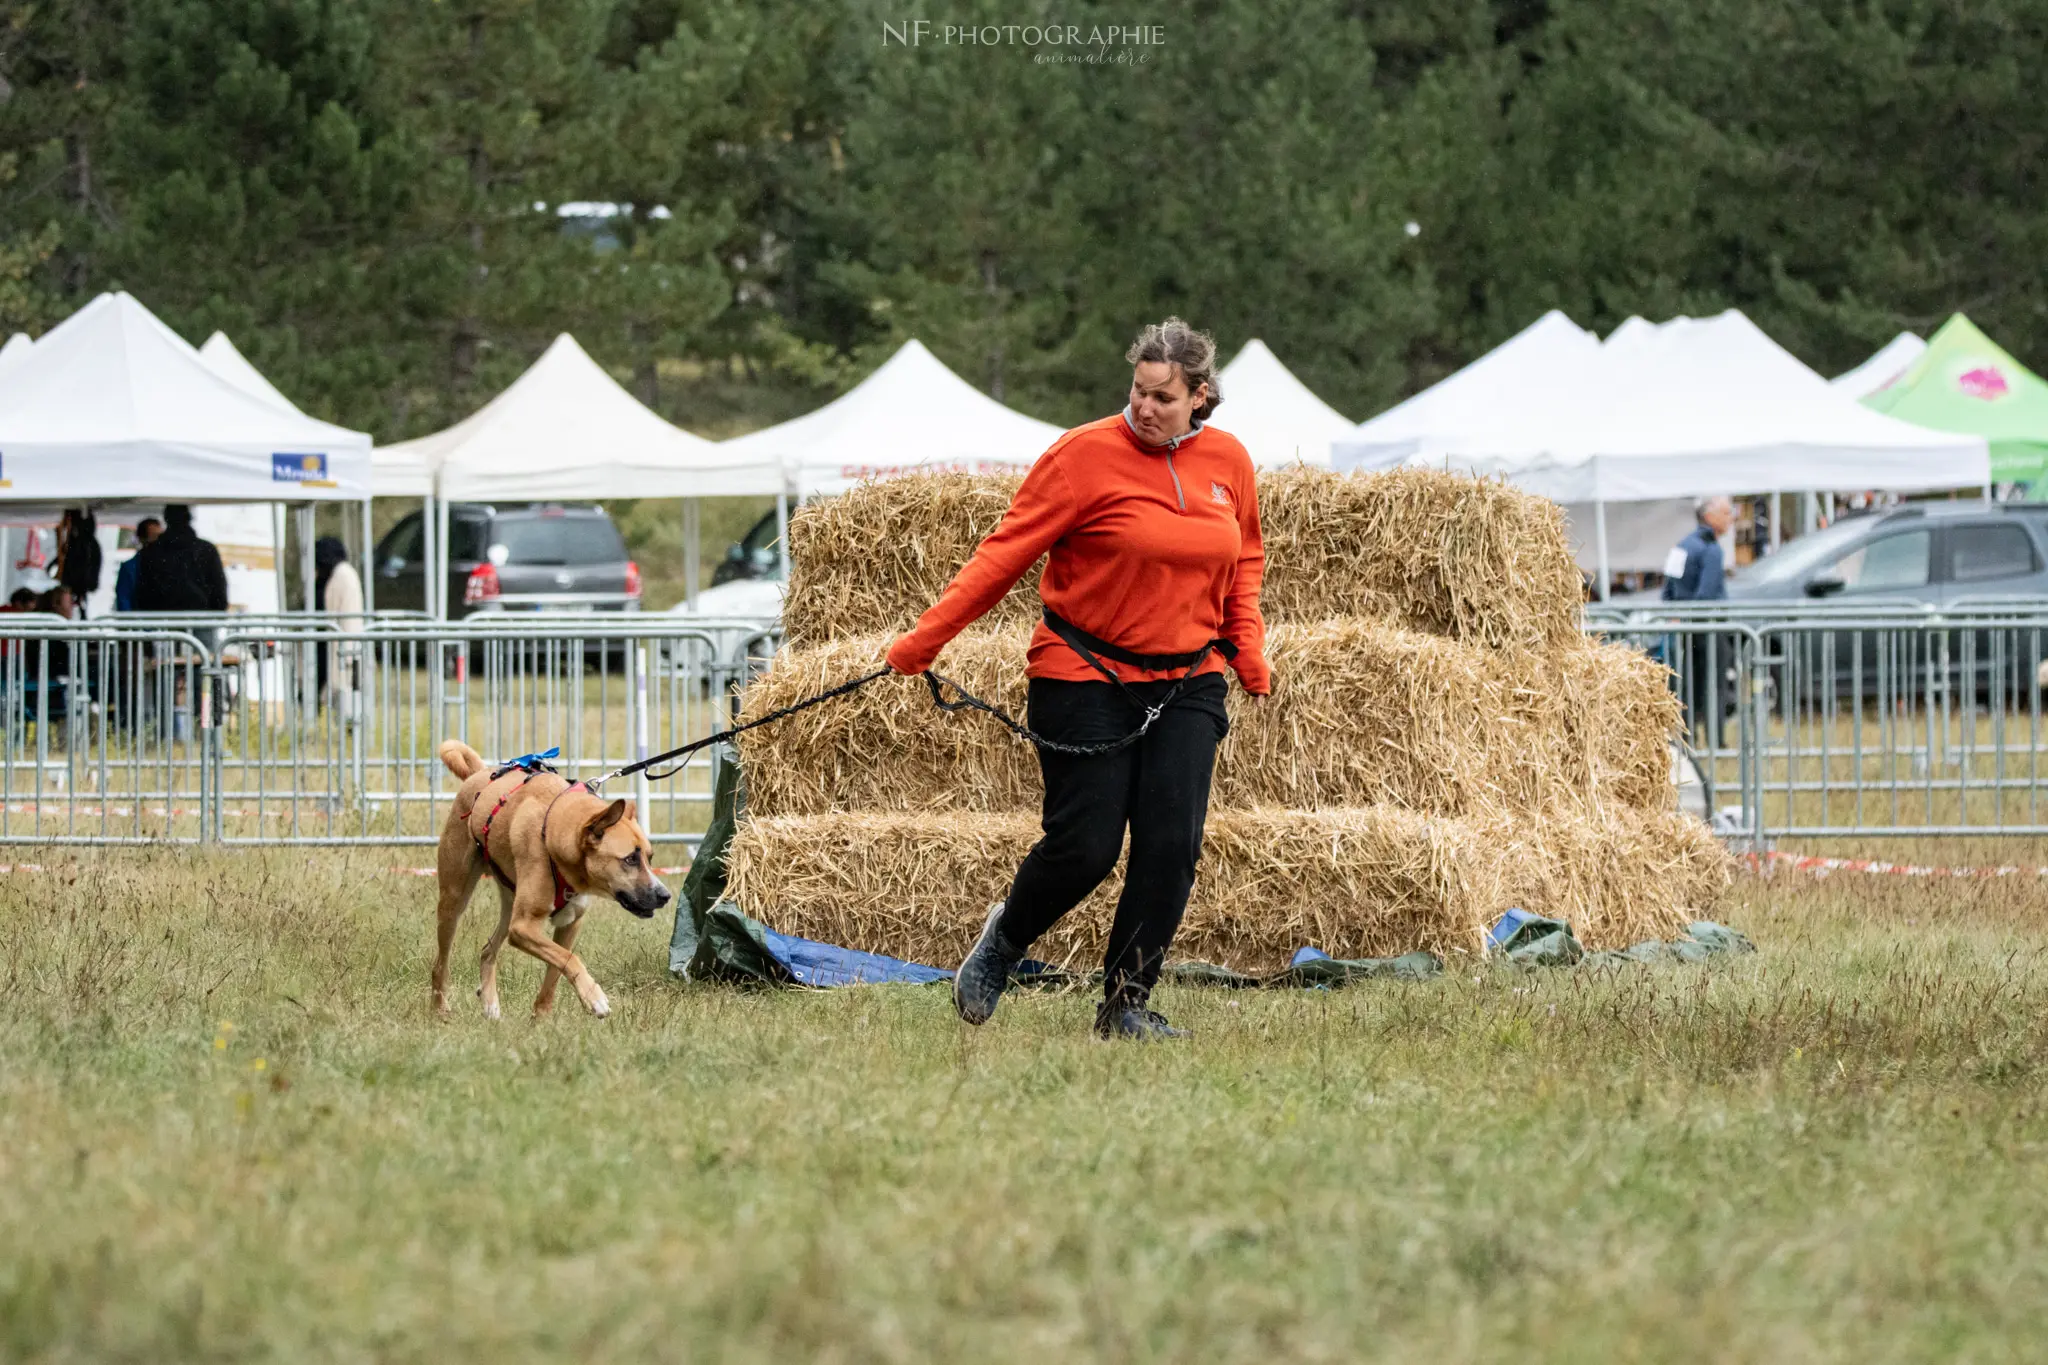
(567, 430)
(1496, 403)
(1493, 405)
(224, 359)
(230, 364)
(913, 415)
(1893, 359)
(17, 348)
(1713, 405)
(1280, 421)
(113, 407)
(1686, 409)
(111, 404)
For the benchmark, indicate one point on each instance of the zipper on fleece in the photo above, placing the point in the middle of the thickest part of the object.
(1177, 495)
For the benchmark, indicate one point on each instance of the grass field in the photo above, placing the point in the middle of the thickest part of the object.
(229, 1131)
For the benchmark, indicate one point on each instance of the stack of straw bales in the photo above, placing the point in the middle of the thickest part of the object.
(1441, 742)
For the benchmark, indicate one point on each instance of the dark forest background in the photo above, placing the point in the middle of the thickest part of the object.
(367, 194)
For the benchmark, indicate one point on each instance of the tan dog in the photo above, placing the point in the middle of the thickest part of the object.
(543, 840)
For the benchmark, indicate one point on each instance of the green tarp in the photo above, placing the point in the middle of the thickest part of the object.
(1966, 382)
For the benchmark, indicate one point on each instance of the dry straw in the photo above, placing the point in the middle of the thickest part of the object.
(1471, 560)
(1361, 713)
(1477, 561)
(1441, 744)
(1357, 882)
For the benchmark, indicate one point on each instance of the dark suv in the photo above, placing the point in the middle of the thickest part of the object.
(515, 557)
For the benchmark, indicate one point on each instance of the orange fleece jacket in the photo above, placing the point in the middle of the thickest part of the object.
(1152, 549)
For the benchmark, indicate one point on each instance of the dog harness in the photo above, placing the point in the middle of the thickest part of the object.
(530, 766)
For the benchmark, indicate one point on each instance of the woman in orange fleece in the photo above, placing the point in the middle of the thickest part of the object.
(1149, 525)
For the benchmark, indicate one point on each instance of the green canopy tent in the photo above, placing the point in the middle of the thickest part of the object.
(1966, 382)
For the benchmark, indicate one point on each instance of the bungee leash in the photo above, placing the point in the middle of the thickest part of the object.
(966, 701)
(684, 751)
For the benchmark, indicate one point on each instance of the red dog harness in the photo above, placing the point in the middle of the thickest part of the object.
(483, 837)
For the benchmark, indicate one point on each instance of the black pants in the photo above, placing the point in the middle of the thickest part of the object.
(1158, 788)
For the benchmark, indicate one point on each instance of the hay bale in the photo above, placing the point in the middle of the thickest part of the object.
(1460, 558)
(1623, 716)
(1467, 559)
(1361, 713)
(1357, 882)
(887, 748)
(1618, 880)
(1371, 882)
(872, 559)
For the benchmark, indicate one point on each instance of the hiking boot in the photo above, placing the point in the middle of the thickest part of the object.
(1118, 1020)
(982, 978)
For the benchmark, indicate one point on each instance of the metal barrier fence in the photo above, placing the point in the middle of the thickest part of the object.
(1855, 719)
(294, 731)
(1824, 719)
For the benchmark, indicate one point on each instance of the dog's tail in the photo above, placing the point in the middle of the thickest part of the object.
(462, 760)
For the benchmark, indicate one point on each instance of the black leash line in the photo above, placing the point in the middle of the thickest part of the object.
(851, 685)
(936, 682)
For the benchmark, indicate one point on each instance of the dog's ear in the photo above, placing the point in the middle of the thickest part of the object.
(604, 820)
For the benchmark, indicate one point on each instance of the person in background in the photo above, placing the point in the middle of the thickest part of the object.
(78, 554)
(124, 577)
(23, 599)
(338, 589)
(1695, 571)
(178, 571)
(46, 664)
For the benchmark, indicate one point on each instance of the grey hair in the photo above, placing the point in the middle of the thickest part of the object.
(1191, 352)
(1700, 505)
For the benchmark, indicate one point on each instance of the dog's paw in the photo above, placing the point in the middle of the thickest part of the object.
(599, 1006)
(491, 1010)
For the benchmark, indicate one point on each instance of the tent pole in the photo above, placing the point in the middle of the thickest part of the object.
(782, 532)
(441, 544)
(693, 550)
(305, 520)
(1777, 520)
(277, 548)
(363, 565)
(1600, 547)
(429, 597)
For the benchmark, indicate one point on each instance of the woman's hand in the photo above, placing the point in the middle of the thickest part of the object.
(903, 657)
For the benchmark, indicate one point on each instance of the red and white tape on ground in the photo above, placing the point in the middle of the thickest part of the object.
(399, 871)
(1823, 867)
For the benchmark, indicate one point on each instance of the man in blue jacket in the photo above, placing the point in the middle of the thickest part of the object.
(1696, 572)
(124, 577)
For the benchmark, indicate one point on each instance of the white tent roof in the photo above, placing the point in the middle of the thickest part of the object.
(1891, 361)
(1693, 407)
(112, 404)
(566, 429)
(17, 348)
(230, 364)
(1276, 416)
(913, 415)
(1489, 406)
(396, 472)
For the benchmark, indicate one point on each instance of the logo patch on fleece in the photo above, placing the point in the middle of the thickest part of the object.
(1219, 494)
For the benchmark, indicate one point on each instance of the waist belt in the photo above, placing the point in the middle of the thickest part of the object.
(1089, 646)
